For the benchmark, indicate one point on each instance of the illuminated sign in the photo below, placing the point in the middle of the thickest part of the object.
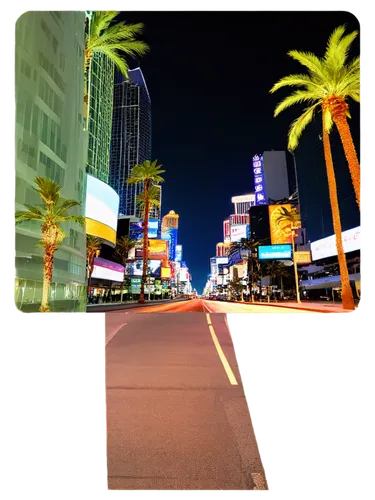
(221, 260)
(326, 247)
(165, 272)
(302, 257)
(101, 209)
(107, 270)
(280, 229)
(136, 229)
(135, 285)
(136, 268)
(184, 274)
(178, 256)
(157, 250)
(239, 232)
(244, 198)
(259, 187)
(170, 234)
(274, 252)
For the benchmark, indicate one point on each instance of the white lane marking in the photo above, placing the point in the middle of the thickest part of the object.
(110, 337)
(227, 368)
(225, 318)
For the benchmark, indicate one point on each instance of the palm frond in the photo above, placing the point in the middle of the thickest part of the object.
(299, 125)
(78, 219)
(120, 63)
(23, 216)
(311, 61)
(65, 205)
(327, 120)
(298, 80)
(117, 33)
(101, 20)
(297, 97)
(47, 189)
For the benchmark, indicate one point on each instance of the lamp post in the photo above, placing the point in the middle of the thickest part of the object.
(295, 264)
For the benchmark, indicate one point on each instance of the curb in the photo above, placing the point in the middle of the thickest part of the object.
(280, 304)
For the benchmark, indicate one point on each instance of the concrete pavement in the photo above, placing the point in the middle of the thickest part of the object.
(175, 420)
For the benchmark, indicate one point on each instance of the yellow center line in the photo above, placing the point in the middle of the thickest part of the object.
(208, 319)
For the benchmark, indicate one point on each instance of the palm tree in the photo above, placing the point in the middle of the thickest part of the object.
(235, 287)
(123, 245)
(52, 212)
(250, 246)
(147, 174)
(329, 83)
(277, 269)
(111, 41)
(93, 248)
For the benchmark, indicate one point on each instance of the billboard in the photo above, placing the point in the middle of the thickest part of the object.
(239, 232)
(135, 285)
(245, 198)
(170, 235)
(107, 270)
(281, 230)
(221, 260)
(259, 187)
(326, 247)
(136, 229)
(178, 256)
(274, 252)
(183, 274)
(302, 257)
(157, 250)
(101, 210)
(165, 272)
(136, 268)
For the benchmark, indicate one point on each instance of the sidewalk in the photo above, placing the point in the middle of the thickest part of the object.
(306, 306)
(130, 304)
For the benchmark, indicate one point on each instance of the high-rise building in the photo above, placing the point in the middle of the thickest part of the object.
(169, 230)
(100, 116)
(50, 142)
(275, 174)
(243, 203)
(131, 138)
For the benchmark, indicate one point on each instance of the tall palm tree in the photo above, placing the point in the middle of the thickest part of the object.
(147, 174)
(116, 41)
(330, 81)
(123, 246)
(52, 212)
(93, 248)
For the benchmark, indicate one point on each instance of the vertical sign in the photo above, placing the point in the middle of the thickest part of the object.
(259, 187)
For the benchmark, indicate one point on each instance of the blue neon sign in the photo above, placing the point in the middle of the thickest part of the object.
(274, 252)
(259, 187)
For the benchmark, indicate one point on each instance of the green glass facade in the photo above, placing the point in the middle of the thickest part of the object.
(100, 116)
(50, 142)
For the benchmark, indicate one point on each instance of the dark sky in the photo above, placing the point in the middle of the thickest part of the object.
(209, 75)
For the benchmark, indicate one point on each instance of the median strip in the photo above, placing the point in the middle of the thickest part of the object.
(227, 368)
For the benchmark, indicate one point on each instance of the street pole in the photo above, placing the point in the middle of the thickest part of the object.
(295, 266)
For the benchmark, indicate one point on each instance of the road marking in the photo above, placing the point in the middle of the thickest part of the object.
(227, 368)
(225, 318)
(208, 319)
(110, 337)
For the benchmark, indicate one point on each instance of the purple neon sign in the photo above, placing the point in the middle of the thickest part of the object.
(259, 187)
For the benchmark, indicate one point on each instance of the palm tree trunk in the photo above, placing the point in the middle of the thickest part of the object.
(356, 171)
(347, 295)
(145, 244)
(47, 276)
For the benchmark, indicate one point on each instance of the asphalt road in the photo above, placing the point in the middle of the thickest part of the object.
(177, 416)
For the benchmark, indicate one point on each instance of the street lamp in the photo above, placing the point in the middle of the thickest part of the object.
(294, 234)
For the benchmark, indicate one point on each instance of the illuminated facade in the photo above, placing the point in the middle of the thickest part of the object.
(50, 142)
(222, 249)
(243, 203)
(131, 139)
(226, 230)
(100, 116)
(170, 221)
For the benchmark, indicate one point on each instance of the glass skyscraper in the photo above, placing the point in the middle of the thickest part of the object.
(50, 142)
(131, 138)
(100, 116)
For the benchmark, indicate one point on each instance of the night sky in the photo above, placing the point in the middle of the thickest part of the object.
(209, 75)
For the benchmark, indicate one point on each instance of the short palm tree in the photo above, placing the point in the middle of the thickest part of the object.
(116, 41)
(93, 248)
(123, 246)
(250, 246)
(51, 213)
(147, 174)
(330, 82)
(277, 269)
